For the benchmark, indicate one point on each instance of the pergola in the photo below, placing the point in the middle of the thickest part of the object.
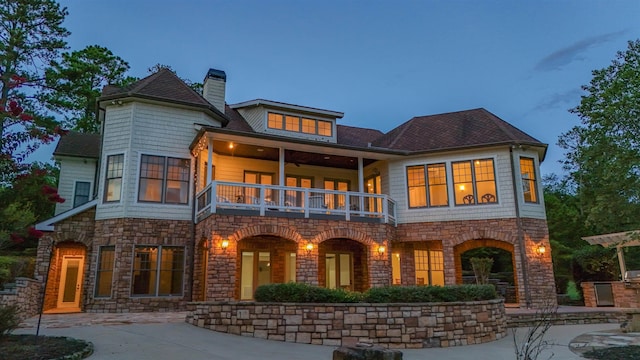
(619, 240)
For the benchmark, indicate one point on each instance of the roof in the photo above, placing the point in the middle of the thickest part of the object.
(355, 136)
(453, 130)
(286, 106)
(236, 121)
(163, 85)
(79, 145)
(627, 238)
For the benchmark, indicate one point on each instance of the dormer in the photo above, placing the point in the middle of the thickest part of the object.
(288, 120)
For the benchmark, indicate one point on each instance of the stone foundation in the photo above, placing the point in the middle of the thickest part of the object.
(25, 293)
(389, 325)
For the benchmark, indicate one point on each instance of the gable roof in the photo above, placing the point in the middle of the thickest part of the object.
(78, 145)
(163, 85)
(460, 129)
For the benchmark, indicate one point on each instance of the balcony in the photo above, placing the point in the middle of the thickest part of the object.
(281, 201)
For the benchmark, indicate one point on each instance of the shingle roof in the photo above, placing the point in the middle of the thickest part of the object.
(79, 145)
(236, 121)
(355, 136)
(452, 130)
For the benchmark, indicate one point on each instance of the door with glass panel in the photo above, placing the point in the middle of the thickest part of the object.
(255, 271)
(296, 198)
(339, 271)
(70, 282)
(336, 201)
(252, 195)
(373, 186)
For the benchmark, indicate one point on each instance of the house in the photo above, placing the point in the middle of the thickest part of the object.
(186, 198)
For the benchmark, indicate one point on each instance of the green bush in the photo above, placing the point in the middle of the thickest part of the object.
(9, 319)
(15, 266)
(304, 293)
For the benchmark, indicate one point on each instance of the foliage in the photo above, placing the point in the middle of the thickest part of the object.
(481, 269)
(303, 293)
(630, 352)
(195, 86)
(596, 263)
(532, 343)
(502, 259)
(15, 266)
(415, 294)
(9, 319)
(75, 82)
(28, 347)
(603, 153)
(572, 291)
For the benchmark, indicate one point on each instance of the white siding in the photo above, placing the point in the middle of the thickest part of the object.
(255, 116)
(214, 91)
(529, 210)
(71, 170)
(505, 208)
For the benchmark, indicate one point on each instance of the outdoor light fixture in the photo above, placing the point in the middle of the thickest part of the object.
(381, 250)
(541, 250)
(309, 248)
(224, 245)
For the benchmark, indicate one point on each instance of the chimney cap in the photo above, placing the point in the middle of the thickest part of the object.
(217, 74)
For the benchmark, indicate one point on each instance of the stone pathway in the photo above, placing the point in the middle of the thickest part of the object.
(603, 339)
(87, 319)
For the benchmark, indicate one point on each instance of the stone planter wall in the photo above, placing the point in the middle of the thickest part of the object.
(25, 293)
(388, 325)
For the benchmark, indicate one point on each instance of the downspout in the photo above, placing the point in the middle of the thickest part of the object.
(520, 235)
(193, 232)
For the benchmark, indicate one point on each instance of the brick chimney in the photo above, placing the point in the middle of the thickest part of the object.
(214, 88)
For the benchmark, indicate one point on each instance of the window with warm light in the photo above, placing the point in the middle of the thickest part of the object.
(429, 265)
(104, 273)
(396, 274)
(474, 182)
(299, 124)
(164, 180)
(158, 271)
(427, 185)
(529, 183)
(113, 181)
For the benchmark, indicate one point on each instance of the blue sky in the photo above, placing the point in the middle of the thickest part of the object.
(379, 62)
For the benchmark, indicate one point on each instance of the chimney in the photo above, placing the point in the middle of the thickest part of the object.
(214, 88)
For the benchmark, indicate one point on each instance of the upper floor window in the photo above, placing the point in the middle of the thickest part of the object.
(474, 182)
(164, 179)
(299, 124)
(81, 193)
(427, 185)
(528, 175)
(113, 181)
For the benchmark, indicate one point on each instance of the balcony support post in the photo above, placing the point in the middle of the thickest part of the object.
(361, 183)
(209, 161)
(281, 179)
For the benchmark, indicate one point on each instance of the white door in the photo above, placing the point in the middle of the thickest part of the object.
(70, 282)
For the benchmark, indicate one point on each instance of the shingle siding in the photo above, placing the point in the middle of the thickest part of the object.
(73, 170)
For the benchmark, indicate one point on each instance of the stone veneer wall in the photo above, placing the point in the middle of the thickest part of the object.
(389, 325)
(623, 297)
(25, 293)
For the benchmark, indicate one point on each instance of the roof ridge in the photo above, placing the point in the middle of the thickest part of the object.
(403, 128)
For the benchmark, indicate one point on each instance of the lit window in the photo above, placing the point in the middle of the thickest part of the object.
(292, 123)
(113, 182)
(164, 179)
(275, 121)
(528, 174)
(324, 128)
(298, 124)
(158, 270)
(431, 189)
(396, 273)
(416, 186)
(104, 275)
(474, 182)
(308, 126)
(81, 193)
(429, 267)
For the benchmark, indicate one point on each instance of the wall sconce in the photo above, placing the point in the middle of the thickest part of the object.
(541, 249)
(309, 248)
(224, 245)
(381, 251)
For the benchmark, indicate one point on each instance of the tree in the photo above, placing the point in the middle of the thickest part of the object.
(195, 86)
(75, 82)
(603, 153)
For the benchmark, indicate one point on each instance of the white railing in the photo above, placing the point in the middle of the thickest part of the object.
(272, 198)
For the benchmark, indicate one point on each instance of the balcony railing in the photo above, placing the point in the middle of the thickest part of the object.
(282, 200)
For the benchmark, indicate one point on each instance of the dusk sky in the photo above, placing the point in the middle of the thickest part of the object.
(379, 62)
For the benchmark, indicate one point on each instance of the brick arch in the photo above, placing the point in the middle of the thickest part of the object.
(72, 237)
(344, 233)
(275, 230)
(484, 234)
(461, 248)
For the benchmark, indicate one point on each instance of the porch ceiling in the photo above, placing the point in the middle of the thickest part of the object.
(623, 239)
(291, 156)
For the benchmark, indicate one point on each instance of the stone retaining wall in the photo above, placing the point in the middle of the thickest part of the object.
(388, 325)
(25, 293)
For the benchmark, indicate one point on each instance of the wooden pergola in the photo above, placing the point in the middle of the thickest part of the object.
(619, 240)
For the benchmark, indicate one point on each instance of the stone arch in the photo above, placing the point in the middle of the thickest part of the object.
(484, 234)
(274, 230)
(71, 236)
(344, 233)
(467, 245)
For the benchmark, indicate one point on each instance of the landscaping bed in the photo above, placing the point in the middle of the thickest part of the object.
(27, 347)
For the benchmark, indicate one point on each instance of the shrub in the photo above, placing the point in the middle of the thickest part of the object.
(14, 266)
(9, 319)
(304, 293)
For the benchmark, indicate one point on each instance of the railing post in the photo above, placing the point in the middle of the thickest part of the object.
(306, 203)
(347, 207)
(214, 197)
(385, 209)
(261, 197)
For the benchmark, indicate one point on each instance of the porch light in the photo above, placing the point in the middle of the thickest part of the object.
(381, 250)
(541, 249)
(309, 248)
(231, 146)
(224, 244)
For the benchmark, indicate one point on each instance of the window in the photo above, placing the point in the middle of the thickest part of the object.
(81, 193)
(396, 273)
(474, 182)
(104, 275)
(255, 271)
(113, 182)
(338, 200)
(299, 124)
(427, 188)
(338, 268)
(252, 194)
(164, 179)
(158, 270)
(528, 174)
(296, 197)
(429, 267)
